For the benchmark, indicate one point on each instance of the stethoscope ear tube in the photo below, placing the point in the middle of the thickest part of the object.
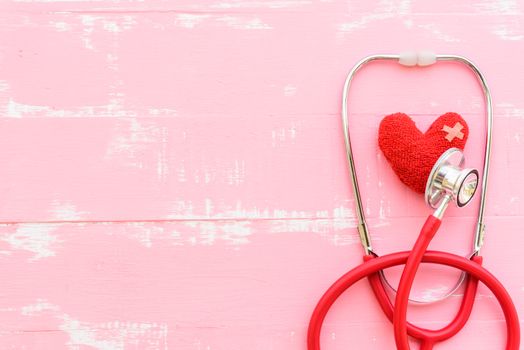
(418, 59)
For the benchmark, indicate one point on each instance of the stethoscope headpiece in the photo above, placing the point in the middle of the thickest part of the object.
(449, 178)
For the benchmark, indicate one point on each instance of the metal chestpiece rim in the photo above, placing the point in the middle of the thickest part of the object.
(449, 178)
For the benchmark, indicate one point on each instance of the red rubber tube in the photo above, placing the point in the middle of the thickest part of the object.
(429, 336)
(413, 262)
(374, 265)
(400, 311)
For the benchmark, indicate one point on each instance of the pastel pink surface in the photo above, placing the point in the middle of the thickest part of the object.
(173, 174)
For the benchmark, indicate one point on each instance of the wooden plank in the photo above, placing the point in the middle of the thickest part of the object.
(227, 283)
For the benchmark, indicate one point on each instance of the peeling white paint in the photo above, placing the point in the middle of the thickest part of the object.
(73, 1)
(282, 135)
(162, 112)
(181, 172)
(181, 209)
(162, 158)
(14, 109)
(242, 23)
(237, 173)
(134, 137)
(66, 211)
(510, 110)
(234, 226)
(499, 7)
(37, 308)
(112, 61)
(92, 23)
(276, 4)
(60, 26)
(88, 21)
(18, 110)
(438, 33)
(290, 90)
(507, 32)
(432, 294)
(4, 86)
(35, 238)
(208, 232)
(114, 335)
(386, 10)
(209, 207)
(189, 20)
(236, 232)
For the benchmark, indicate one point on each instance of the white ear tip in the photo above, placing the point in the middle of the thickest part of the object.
(426, 58)
(408, 59)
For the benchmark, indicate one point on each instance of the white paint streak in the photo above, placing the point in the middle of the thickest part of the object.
(242, 23)
(386, 10)
(60, 26)
(163, 112)
(133, 139)
(231, 226)
(438, 33)
(506, 26)
(72, 1)
(209, 232)
(282, 135)
(88, 21)
(432, 294)
(499, 7)
(188, 20)
(290, 90)
(508, 32)
(66, 211)
(275, 4)
(18, 110)
(338, 228)
(163, 161)
(181, 172)
(237, 173)
(4, 86)
(38, 308)
(35, 238)
(114, 335)
(14, 109)
(510, 110)
(91, 24)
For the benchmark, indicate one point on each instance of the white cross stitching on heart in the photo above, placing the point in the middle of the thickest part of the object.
(453, 132)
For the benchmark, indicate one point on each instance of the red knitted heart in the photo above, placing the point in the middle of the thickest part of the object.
(412, 153)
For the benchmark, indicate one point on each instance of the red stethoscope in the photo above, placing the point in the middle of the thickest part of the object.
(448, 182)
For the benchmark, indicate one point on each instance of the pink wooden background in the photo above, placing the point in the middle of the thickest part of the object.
(173, 175)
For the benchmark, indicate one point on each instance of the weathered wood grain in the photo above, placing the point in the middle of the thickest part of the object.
(173, 173)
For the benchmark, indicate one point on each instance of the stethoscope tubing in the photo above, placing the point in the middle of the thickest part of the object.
(423, 334)
(373, 265)
(413, 262)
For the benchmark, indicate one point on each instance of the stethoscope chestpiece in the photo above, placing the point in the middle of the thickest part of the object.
(448, 178)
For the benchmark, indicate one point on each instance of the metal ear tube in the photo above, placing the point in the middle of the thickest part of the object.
(422, 59)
